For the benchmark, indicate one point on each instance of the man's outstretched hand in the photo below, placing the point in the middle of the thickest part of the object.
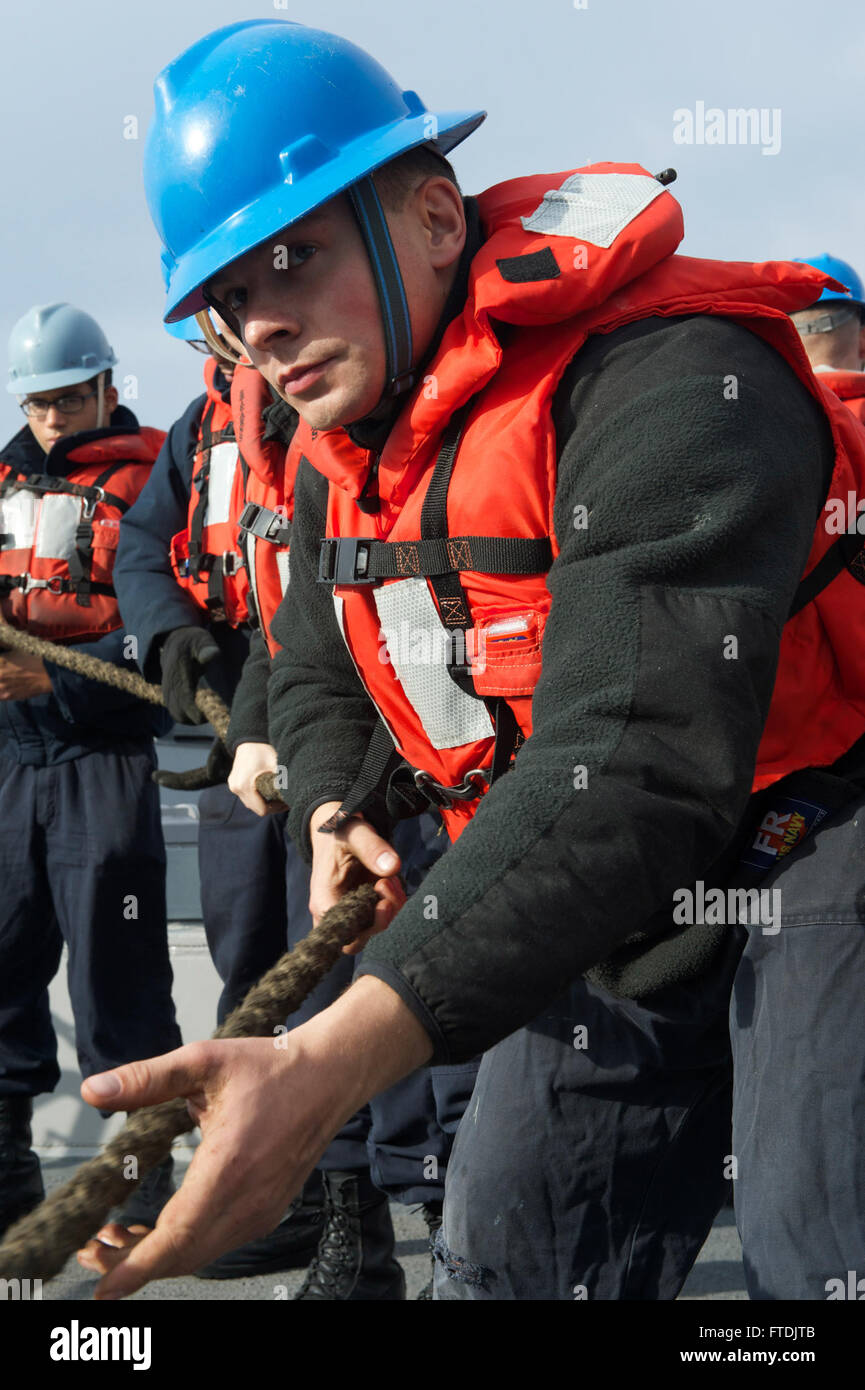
(267, 1108)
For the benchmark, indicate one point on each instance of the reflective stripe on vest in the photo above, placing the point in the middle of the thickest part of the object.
(265, 536)
(205, 557)
(265, 515)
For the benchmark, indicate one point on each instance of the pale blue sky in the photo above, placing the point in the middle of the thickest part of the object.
(563, 85)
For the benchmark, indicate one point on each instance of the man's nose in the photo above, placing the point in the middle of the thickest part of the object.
(267, 321)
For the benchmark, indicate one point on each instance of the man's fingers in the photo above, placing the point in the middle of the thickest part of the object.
(202, 1220)
(365, 843)
(173, 1248)
(109, 1246)
(391, 897)
(180, 1073)
(250, 798)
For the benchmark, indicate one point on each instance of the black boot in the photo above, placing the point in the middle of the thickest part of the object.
(432, 1215)
(355, 1259)
(142, 1207)
(291, 1246)
(21, 1187)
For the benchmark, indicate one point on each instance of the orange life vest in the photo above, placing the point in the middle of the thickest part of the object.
(263, 504)
(205, 556)
(849, 387)
(59, 536)
(441, 595)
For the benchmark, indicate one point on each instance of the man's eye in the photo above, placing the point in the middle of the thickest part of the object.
(233, 299)
(290, 257)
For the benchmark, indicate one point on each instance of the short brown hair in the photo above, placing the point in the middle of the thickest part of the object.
(397, 180)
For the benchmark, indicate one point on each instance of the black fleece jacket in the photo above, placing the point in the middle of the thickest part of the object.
(701, 515)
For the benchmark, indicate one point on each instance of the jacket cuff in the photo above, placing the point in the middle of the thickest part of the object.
(390, 976)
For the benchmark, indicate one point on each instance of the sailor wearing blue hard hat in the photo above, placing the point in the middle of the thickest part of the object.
(833, 332)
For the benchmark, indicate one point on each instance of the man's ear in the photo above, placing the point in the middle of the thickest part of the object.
(440, 205)
(112, 398)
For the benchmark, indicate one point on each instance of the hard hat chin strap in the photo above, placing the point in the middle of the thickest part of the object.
(100, 400)
(221, 349)
(824, 323)
(396, 320)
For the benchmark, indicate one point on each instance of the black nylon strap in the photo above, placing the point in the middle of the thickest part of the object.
(453, 605)
(56, 585)
(380, 760)
(46, 484)
(389, 285)
(848, 552)
(81, 559)
(215, 600)
(352, 561)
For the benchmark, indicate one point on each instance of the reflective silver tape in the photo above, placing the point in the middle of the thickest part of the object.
(593, 207)
(19, 511)
(339, 610)
(416, 643)
(282, 565)
(223, 464)
(59, 515)
(247, 546)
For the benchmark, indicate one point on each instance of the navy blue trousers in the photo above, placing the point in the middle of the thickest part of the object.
(590, 1162)
(799, 1056)
(82, 861)
(595, 1171)
(254, 894)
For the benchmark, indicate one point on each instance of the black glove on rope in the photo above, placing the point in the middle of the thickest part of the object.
(185, 653)
(213, 774)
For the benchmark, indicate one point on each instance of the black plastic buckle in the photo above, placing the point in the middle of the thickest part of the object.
(267, 525)
(248, 517)
(344, 561)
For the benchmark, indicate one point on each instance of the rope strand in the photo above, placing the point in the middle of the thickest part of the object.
(38, 1246)
(94, 668)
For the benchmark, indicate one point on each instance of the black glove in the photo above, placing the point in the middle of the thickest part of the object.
(214, 774)
(185, 653)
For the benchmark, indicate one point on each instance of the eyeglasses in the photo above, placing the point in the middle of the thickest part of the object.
(36, 408)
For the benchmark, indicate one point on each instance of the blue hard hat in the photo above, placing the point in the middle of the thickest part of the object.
(56, 345)
(186, 330)
(259, 123)
(839, 270)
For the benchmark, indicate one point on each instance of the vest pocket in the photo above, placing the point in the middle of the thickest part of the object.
(505, 652)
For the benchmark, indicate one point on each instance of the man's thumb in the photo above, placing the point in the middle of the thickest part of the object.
(373, 852)
(143, 1083)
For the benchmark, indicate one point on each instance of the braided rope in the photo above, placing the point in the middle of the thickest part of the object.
(39, 1244)
(94, 668)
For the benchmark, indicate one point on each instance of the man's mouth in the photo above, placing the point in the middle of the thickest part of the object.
(300, 378)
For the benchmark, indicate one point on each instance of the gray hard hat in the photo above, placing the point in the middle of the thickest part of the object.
(56, 345)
